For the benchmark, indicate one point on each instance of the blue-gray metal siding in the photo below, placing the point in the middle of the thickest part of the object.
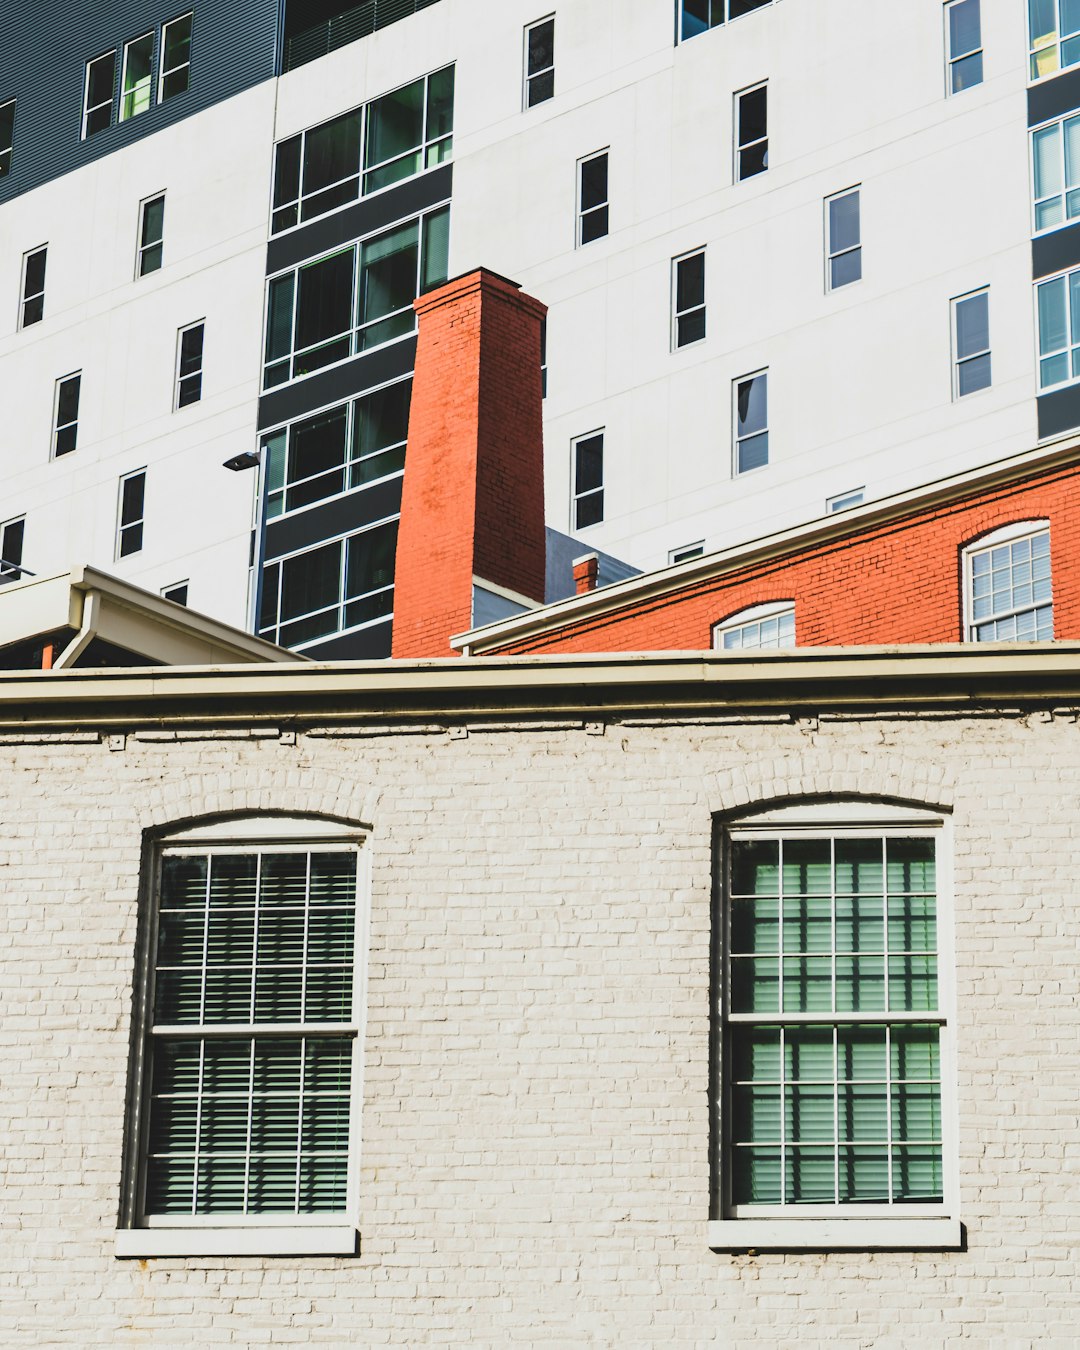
(44, 48)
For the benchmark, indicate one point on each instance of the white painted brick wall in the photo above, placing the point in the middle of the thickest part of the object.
(535, 1117)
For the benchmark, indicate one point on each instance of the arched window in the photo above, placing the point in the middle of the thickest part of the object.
(771, 625)
(1008, 595)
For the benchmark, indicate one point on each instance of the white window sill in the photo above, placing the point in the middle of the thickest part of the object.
(338, 1240)
(835, 1235)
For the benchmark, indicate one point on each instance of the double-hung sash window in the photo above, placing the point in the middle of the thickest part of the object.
(136, 81)
(150, 252)
(7, 135)
(175, 74)
(688, 296)
(751, 132)
(751, 422)
(189, 364)
(99, 93)
(843, 239)
(834, 1028)
(1054, 33)
(1055, 163)
(539, 62)
(963, 40)
(698, 16)
(129, 525)
(1059, 330)
(337, 451)
(66, 414)
(32, 308)
(250, 1031)
(588, 457)
(11, 549)
(1008, 586)
(354, 299)
(592, 198)
(971, 343)
(396, 136)
(759, 628)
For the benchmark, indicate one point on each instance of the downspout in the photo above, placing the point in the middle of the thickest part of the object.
(85, 635)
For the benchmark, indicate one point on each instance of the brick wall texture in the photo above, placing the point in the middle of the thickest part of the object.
(535, 1166)
(894, 583)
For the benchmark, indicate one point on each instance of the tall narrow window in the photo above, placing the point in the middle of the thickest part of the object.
(151, 235)
(543, 358)
(688, 299)
(762, 626)
(136, 81)
(98, 97)
(592, 197)
(963, 35)
(1054, 31)
(588, 480)
(540, 62)
(175, 58)
(1059, 330)
(752, 422)
(752, 132)
(189, 365)
(833, 1022)
(7, 135)
(971, 343)
(129, 529)
(1055, 163)
(843, 232)
(250, 1036)
(66, 414)
(11, 549)
(1008, 585)
(32, 309)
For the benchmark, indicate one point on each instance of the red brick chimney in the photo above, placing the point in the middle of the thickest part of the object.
(473, 495)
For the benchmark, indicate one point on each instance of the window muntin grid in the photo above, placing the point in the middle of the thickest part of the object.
(344, 448)
(1010, 591)
(964, 51)
(32, 309)
(539, 62)
(253, 1033)
(370, 147)
(1055, 167)
(832, 1022)
(175, 58)
(688, 299)
(1054, 34)
(769, 631)
(698, 16)
(354, 299)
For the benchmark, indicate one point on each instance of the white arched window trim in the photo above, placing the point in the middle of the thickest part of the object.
(770, 625)
(1008, 591)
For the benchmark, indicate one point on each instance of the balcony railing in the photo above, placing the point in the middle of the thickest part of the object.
(348, 26)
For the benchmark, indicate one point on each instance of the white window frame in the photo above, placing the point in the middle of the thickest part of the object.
(743, 620)
(1057, 124)
(7, 152)
(146, 87)
(87, 110)
(830, 254)
(187, 328)
(25, 299)
(953, 58)
(846, 501)
(1007, 535)
(57, 426)
(702, 309)
(184, 65)
(1071, 350)
(736, 439)
(601, 491)
(957, 360)
(527, 75)
(253, 1234)
(142, 247)
(895, 1225)
(739, 146)
(123, 525)
(11, 569)
(1051, 45)
(605, 205)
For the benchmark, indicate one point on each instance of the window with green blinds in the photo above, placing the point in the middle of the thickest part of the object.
(252, 1034)
(832, 1058)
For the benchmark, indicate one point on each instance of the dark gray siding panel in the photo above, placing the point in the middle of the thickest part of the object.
(331, 519)
(1054, 98)
(1055, 252)
(368, 644)
(44, 47)
(392, 362)
(1059, 411)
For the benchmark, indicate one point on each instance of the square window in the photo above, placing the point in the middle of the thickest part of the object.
(843, 240)
(592, 198)
(539, 62)
(1054, 36)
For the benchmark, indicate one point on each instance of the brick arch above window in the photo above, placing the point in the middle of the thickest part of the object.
(257, 790)
(886, 777)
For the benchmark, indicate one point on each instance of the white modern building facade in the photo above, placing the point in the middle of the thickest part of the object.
(796, 256)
